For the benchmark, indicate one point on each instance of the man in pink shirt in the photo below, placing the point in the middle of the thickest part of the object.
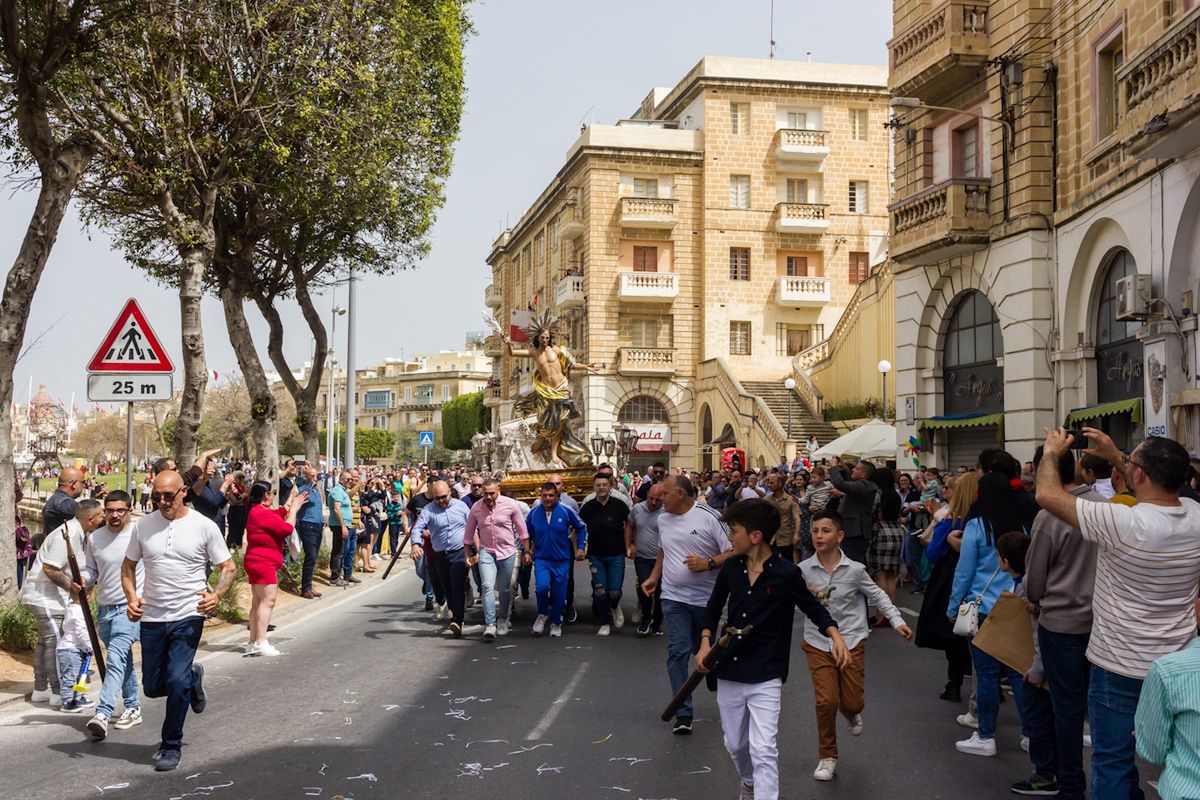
(495, 536)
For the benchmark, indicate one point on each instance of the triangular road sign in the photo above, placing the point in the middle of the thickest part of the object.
(131, 346)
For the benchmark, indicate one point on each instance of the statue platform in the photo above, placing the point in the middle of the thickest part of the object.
(526, 484)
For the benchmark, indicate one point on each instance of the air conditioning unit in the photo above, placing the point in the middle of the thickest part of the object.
(1133, 297)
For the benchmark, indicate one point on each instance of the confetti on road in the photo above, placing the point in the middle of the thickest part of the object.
(312, 791)
(321, 771)
(615, 789)
(544, 768)
(527, 748)
(631, 759)
(703, 771)
(111, 788)
(366, 776)
(458, 713)
(487, 741)
(602, 741)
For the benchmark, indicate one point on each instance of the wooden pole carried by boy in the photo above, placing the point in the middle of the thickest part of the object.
(85, 606)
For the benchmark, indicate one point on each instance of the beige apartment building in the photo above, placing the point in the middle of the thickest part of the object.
(693, 250)
(1044, 151)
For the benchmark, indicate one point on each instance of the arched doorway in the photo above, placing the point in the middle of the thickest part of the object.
(648, 416)
(706, 435)
(1119, 360)
(972, 380)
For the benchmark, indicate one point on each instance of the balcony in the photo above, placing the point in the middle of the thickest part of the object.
(801, 146)
(944, 220)
(571, 222)
(802, 291)
(648, 287)
(648, 213)
(801, 217)
(493, 347)
(569, 292)
(1160, 89)
(943, 51)
(646, 361)
(492, 296)
(493, 397)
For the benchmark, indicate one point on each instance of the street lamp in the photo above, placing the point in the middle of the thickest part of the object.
(917, 104)
(790, 385)
(610, 446)
(597, 444)
(628, 439)
(337, 312)
(885, 367)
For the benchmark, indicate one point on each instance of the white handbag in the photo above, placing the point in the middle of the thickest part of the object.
(967, 621)
(295, 549)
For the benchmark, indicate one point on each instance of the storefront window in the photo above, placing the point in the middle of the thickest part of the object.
(644, 410)
(1118, 352)
(972, 380)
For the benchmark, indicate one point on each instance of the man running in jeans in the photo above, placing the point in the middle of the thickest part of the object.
(605, 518)
(105, 552)
(641, 544)
(175, 543)
(692, 544)
(310, 524)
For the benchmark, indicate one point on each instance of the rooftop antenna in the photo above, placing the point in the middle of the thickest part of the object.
(771, 51)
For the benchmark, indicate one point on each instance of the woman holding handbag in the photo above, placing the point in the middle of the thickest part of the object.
(267, 528)
(978, 581)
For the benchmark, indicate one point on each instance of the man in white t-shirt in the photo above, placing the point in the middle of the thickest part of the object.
(1144, 601)
(174, 544)
(693, 543)
(751, 491)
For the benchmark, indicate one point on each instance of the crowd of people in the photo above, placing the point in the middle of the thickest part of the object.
(1101, 550)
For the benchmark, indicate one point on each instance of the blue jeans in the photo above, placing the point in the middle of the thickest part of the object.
(1037, 719)
(69, 662)
(495, 573)
(987, 687)
(423, 574)
(349, 545)
(684, 623)
(651, 606)
(310, 539)
(608, 576)
(118, 634)
(1112, 702)
(1064, 656)
(550, 578)
(168, 650)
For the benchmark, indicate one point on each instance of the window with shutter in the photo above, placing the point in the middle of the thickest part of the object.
(739, 191)
(645, 259)
(858, 197)
(797, 190)
(859, 122)
(797, 266)
(739, 338)
(860, 266)
(797, 120)
(645, 187)
(739, 114)
(739, 263)
(643, 332)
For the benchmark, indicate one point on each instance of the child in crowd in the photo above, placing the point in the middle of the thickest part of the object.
(73, 647)
(841, 585)
(763, 591)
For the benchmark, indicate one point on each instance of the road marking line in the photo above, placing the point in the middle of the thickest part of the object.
(557, 706)
(909, 611)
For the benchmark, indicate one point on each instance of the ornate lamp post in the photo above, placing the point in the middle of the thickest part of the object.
(885, 367)
(597, 443)
(628, 441)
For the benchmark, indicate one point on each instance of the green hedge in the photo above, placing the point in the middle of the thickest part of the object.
(463, 417)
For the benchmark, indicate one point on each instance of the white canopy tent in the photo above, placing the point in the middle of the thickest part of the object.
(875, 439)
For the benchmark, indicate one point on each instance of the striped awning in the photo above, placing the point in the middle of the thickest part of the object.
(1132, 407)
(963, 421)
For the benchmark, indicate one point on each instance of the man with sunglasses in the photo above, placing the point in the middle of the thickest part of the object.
(175, 543)
(446, 521)
(105, 552)
(62, 506)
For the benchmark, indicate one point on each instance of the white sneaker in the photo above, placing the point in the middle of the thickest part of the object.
(97, 726)
(856, 724)
(1025, 743)
(618, 617)
(443, 611)
(502, 627)
(539, 624)
(977, 746)
(555, 631)
(251, 649)
(967, 720)
(267, 650)
(55, 700)
(826, 768)
(489, 633)
(604, 630)
(635, 618)
(42, 696)
(131, 717)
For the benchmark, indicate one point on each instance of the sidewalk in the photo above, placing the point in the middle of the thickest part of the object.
(288, 608)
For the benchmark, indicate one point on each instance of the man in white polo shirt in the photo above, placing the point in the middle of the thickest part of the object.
(174, 543)
(105, 553)
(692, 545)
(1147, 571)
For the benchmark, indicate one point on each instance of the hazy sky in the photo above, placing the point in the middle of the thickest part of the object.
(535, 70)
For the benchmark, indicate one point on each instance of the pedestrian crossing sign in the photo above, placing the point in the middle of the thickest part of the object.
(425, 439)
(131, 346)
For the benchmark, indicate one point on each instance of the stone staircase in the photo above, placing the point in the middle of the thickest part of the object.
(804, 424)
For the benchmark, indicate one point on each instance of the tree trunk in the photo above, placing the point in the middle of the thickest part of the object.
(195, 261)
(58, 181)
(263, 413)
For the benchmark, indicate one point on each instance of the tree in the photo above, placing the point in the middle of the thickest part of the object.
(368, 442)
(103, 438)
(462, 418)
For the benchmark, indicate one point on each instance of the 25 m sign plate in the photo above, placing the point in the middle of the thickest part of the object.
(124, 387)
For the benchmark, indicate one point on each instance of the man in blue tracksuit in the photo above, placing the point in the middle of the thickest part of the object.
(556, 535)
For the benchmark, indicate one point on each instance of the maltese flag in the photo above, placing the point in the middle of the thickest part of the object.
(518, 321)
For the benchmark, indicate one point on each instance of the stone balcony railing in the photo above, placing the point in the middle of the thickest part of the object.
(649, 361)
(648, 287)
(492, 296)
(801, 145)
(801, 217)
(571, 222)
(568, 292)
(796, 290)
(944, 220)
(493, 347)
(649, 213)
(1160, 93)
(493, 397)
(942, 51)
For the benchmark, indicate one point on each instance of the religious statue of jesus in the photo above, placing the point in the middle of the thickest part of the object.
(550, 401)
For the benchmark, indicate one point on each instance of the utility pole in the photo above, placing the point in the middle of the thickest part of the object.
(350, 409)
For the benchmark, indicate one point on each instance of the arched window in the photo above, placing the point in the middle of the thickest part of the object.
(972, 380)
(644, 409)
(706, 434)
(1118, 351)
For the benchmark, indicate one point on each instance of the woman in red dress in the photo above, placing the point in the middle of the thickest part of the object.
(267, 529)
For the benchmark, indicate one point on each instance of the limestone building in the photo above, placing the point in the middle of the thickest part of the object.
(693, 250)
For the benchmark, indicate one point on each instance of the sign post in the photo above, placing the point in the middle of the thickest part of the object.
(130, 365)
(425, 439)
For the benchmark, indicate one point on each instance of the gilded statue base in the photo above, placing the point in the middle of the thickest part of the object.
(526, 484)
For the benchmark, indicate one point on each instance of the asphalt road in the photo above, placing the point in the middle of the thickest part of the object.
(372, 700)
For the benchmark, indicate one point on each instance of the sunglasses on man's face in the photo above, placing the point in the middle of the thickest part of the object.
(441, 498)
(164, 497)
